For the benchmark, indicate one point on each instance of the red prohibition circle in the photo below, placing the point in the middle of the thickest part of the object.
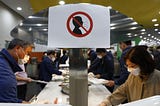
(87, 31)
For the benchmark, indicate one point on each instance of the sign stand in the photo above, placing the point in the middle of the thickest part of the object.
(78, 81)
(79, 26)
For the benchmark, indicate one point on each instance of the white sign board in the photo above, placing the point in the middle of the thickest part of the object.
(79, 26)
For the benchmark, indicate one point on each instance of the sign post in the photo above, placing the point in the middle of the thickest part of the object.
(78, 26)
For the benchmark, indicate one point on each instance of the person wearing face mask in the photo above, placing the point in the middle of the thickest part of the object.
(104, 66)
(22, 78)
(48, 67)
(8, 66)
(125, 46)
(143, 81)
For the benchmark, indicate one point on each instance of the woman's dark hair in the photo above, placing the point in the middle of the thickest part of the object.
(140, 56)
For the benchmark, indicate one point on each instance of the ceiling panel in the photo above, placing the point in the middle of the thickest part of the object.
(124, 14)
(142, 11)
(25, 4)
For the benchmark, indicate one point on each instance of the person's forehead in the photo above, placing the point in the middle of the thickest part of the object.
(129, 63)
(28, 49)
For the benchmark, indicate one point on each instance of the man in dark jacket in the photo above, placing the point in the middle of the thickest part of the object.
(104, 66)
(8, 66)
(125, 46)
(48, 67)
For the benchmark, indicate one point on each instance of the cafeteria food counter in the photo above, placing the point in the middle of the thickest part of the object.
(52, 91)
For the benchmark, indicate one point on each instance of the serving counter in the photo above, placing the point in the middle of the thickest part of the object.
(52, 91)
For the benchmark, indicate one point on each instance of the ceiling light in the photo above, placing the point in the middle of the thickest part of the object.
(19, 8)
(112, 24)
(117, 11)
(113, 27)
(135, 34)
(30, 29)
(21, 24)
(110, 7)
(134, 23)
(61, 2)
(45, 29)
(143, 30)
(140, 36)
(133, 28)
(39, 24)
(155, 29)
(128, 33)
(30, 17)
(156, 24)
(131, 18)
(154, 20)
(158, 32)
(152, 36)
(142, 33)
(149, 34)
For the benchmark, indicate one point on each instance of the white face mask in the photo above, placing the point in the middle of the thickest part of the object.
(99, 56)
(53, 59)
(134, 71)
(24, 60)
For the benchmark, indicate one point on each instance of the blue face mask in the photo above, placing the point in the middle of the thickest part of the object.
(134, 71)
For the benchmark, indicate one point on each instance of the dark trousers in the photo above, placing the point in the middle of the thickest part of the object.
(21, 91)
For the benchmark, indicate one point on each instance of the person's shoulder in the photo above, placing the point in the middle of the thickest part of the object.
(157, 72)
(2, 60)
(46, 59)
(132, 77)
(4, 65)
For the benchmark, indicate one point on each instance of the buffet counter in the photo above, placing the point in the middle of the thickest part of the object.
(52, 91)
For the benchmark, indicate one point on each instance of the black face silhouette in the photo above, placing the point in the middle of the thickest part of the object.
(77, 22)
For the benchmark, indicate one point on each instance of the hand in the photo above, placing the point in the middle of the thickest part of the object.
(98, 76)
(25, 102)
(103, 104)
(29, 80)
(64, 73)
(90, 75)
(110, 83)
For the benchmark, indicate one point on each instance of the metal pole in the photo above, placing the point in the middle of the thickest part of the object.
(78, 77)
